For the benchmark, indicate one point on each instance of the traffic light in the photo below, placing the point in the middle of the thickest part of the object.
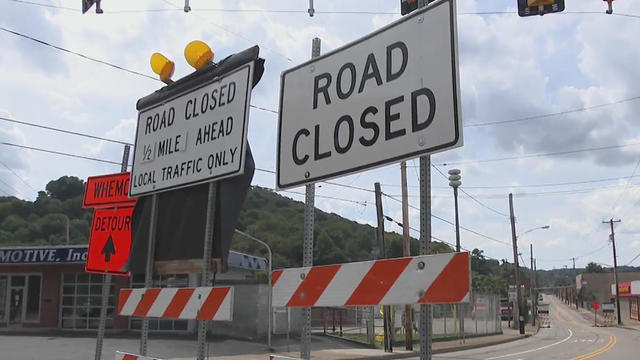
(539, 7)
(610, 6)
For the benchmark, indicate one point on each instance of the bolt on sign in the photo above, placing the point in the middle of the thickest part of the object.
(389, 96)
(194, 137)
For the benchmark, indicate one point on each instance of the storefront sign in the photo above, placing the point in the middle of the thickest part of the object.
(43, 255)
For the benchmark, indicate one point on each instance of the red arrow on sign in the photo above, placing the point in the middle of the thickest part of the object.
(110, 242)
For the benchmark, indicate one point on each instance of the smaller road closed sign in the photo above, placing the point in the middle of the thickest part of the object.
(194, 137)
(389, 96)
(110, 242)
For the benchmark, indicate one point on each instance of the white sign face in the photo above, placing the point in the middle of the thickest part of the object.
(194, 137)
(390, 96)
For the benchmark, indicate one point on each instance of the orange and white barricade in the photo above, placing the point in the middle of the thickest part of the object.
(125, 356)
(280, 357)
(200, 303)
(425, 279)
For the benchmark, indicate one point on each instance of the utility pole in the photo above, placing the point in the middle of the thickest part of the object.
(615, 266)
(518, 316)
(406, 251)
(388, 340)
(532, 292)
(574, 262)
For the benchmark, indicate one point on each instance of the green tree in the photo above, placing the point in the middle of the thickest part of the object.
(594, 268)
(66, 187)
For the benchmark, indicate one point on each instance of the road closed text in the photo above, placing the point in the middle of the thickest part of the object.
(389, 96)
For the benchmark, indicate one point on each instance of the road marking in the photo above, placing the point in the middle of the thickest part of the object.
(599, 351)
(537, 349)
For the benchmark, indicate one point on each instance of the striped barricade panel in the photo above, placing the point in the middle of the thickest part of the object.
(280, 357)
(125, 356)
(425, 279)
(200, 303)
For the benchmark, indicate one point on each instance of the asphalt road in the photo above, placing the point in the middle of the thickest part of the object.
(570, 337)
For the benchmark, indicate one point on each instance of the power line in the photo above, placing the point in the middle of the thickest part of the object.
(473, 198)
(62, 153)
(576, 257)
(76, 53)
(542, 116)
(626, 185)
(11, 188)
(64, 131)
(46, 5)
(632, 260)
(451, 223)
(232, 32)
(18, 176)
(527, 156)
(118, 67)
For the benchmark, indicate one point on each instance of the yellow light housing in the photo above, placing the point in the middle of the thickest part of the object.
(163, 67)
(198, 54)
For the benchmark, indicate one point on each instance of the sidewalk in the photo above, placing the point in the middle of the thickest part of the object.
(329, 348)
(588, 315)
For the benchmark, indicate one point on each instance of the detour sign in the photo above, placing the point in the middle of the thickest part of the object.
(110, 242)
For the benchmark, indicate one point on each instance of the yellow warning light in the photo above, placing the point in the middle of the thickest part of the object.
(198, 54)
(163, 67)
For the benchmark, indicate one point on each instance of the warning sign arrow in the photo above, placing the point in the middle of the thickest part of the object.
(108, 249)
(110, 241)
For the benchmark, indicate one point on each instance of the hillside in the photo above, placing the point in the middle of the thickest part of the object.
(273, 218)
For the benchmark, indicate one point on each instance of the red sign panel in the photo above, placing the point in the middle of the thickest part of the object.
(107, 191)
(595, 306)
(110, 242)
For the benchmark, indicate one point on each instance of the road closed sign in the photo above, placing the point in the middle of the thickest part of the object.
(194, 137)
(389, 96)
(110, 241)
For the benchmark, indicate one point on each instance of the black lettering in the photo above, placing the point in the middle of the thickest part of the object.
(204, 103)
(172, 116)
(369, 125)
(405, 58)
(187, 116)
(415, 126)
(229, 125)
(214, 101)
(317, 88)
(389, 117)
(370, 71)
(232, 92)
(352, 69)
(222, 88)
(317, 155)
(294, 148)
(336, 134)
(147, 129)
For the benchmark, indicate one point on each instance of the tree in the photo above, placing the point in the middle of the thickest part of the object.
(594, 268)
(66, 187)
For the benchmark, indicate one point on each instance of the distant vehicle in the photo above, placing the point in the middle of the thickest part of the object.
(506, 310)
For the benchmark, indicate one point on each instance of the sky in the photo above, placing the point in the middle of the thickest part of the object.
(570, 80)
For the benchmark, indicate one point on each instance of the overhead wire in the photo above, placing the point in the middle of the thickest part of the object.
(528, 156)
(62, 153)
(118, 67)
(18, 176)
(17, 192)
(64, 131)
(626, 185)
(470, 196)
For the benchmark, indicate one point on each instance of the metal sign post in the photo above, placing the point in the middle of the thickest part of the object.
(307, 245)
(148, 273)
(206, 261)
(106, 281)
(425, 239)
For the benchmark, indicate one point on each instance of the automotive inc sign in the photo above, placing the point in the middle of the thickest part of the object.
(390, 96)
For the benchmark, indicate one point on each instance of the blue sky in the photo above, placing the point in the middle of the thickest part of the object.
(510, 68)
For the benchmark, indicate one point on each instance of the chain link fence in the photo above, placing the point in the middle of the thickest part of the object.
(365, 323)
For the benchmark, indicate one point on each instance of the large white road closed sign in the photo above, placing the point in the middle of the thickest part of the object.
(194, 137)
(390, 96)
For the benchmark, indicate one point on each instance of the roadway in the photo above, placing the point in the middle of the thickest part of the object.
(570, 337)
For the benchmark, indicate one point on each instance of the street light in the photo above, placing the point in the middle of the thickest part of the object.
(270, 322)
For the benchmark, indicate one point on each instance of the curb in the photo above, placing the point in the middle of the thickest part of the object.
(443, 351)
